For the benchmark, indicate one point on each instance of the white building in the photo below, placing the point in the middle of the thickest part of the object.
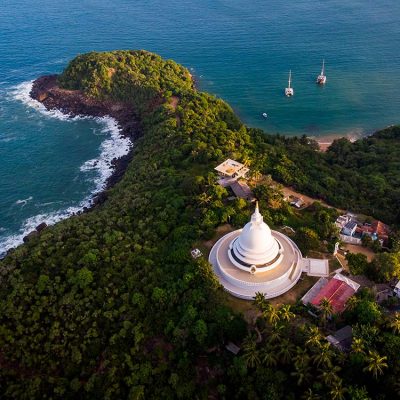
(256, 259)
(232, 169)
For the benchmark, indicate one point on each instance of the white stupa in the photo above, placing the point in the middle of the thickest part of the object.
(256, 259)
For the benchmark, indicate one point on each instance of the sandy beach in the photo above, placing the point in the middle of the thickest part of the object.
(325, 141)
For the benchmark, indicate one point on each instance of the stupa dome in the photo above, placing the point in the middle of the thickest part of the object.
(256, 259)
(255, 248)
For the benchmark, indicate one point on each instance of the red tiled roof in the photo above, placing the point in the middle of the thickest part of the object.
(380, 228)
(337, 292)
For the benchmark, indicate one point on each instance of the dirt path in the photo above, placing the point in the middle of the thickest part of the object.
(353, 248)
(287, 191)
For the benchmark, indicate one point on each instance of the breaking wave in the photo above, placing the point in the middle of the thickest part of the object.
(113, 147)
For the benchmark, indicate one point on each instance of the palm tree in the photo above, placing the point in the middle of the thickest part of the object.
(276, 334)
(351, 303)
(260, 301)
(337, 391)
(269, 358)
(314, 337)
(330, 376)
(257, 175)
(246, 161)
(286, 351)
(324, 355)
(376, 363)
(271, 314)
(204, 198)
(250, 352)
(395, 323)
(301, 355)
(302, 372)
(310, 395)
(326, 309)
(286, 313)
(357, 346)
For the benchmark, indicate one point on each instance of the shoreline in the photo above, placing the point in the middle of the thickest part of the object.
(325, 141)
(73, 103)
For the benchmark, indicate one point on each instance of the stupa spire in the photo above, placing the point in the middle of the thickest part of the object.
(257, 217)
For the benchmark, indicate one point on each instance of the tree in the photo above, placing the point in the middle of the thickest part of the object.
(337, 391)
(314, 337)
(302, 372)
(323, 356)
(250, 352)
(286, 313)
(260, 301)
(376, 363)
(326, 309)
(367, 312)
(357, 345)
(271, 314)
(268, 356)
(276, 334)
(351, 303)
(286, 351)
(394, 323)
(307, 239)
(330, 376)
(358, 263)
(386, 266)
(358, 393)
(310, 395)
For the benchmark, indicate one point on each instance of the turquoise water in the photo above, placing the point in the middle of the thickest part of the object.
(240, 50)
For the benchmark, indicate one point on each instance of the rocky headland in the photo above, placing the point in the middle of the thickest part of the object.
(74, 103)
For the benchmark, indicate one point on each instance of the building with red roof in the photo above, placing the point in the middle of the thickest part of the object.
(337, 290)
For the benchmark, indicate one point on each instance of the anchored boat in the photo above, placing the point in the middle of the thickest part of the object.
(321, 78)
(289, 90)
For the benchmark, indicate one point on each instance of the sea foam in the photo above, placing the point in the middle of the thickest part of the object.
(113, 147)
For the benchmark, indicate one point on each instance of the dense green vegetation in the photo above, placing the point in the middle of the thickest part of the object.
(109, 304)
(363, 176)
(292, 359)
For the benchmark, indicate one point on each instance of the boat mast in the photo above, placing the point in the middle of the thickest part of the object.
(290, 77)
(323, 68)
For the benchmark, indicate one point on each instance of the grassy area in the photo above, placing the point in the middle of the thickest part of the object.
(245, 307)
(249, 311)
(334, 264)
(298, 291)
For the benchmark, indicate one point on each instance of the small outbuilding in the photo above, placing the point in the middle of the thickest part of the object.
(196, 253)
(342, 338)
(242, 190)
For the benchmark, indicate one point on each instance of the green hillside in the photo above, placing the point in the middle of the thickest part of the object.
(109, 304)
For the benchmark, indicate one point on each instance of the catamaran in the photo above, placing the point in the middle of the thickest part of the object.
(289, 90)
(321, 78)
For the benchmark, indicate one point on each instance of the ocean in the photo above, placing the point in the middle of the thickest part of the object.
(50, 165)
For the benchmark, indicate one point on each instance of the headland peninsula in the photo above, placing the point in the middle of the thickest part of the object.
(111, 304)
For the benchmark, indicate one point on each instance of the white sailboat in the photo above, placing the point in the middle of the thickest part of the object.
(321, 78)
(289, 90)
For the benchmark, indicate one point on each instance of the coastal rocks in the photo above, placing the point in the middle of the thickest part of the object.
(75, 103)
(42, 226)
(30, 236)
(35, 232)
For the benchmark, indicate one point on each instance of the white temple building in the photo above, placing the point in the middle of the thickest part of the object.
(257, 259)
